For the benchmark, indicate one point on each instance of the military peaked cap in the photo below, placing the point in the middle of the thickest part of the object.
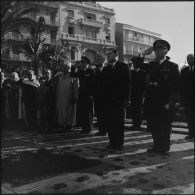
(161, 42)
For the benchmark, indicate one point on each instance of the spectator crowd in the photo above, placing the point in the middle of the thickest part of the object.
(76, 93)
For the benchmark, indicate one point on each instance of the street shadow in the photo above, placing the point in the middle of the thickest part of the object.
(28, 166)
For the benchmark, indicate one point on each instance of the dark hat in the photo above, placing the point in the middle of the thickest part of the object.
(161, 42)
(86, 59)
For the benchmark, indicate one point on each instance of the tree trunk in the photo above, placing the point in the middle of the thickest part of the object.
(35, 66)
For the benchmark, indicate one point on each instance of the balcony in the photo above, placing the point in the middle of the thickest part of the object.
(107, 27)
(81, 38)
(16, 36)
(91, 23)
(49, 22)
(71, 20)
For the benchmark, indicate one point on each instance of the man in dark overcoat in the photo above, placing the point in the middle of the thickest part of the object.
(187, 94)
(162, 89)
(117, 86)
(86, 93)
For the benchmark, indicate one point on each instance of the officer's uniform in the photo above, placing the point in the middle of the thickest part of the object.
(163, 79)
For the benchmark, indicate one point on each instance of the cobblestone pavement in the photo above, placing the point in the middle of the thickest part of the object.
(132, 171)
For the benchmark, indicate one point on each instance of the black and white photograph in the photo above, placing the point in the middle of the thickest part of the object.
(97, 97)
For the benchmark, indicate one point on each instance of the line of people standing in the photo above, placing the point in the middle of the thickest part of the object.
(70, 97)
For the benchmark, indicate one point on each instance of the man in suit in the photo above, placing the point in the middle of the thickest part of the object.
(86, 93)
(117, 86)
(187, 94)
(163, 79)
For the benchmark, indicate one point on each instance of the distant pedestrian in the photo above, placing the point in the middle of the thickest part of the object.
(187, 93)
(117, 86)
(162, 89)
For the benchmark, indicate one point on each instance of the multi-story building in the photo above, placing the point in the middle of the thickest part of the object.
(11, 52)
(87, 26)
(131, 41)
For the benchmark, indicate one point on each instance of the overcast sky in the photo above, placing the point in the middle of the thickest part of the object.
(173, 20)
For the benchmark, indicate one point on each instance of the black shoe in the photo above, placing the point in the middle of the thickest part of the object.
(113, 147)
(151, 150)
(85, 132)
(68, 129)
(164, 153)
(135, 128)
(100, 134)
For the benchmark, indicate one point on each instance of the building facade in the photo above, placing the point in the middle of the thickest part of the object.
(87, 26)
(11, 52)
(131, 41)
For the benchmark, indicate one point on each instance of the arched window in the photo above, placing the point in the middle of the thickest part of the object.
(73, 53)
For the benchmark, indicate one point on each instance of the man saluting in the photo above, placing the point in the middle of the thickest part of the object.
(161, 94)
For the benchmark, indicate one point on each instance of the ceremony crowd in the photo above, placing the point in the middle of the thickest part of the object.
(76, 93)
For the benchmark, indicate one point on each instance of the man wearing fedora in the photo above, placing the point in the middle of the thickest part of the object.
(163, 83)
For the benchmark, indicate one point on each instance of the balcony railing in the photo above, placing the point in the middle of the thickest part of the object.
(86, 39)
(16, 36)
(89, 22)
(139, 40)
(107, 27)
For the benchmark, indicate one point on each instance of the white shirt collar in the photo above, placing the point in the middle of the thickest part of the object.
(115, 63)
(191, 68)
(161, 61)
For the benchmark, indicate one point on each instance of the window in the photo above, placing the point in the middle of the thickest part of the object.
(53, 35)
(70, 13)
(89, 16)
(32, 15)
(107, 36)
(107, 21)
(72, 55)
(128, 35)
(91, 34)
(15, 49)
(151, 40)
(53, 18)
(146, 39)
(128, 48)
(71, 30)
(26, 29)
(135, 49)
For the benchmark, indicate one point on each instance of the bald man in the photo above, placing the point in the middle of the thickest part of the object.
(187, 93)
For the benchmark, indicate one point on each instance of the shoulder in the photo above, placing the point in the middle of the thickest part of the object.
(184, 69)
(122, 64)
(172, 64)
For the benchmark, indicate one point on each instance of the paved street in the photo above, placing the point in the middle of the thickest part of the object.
(74, 163)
